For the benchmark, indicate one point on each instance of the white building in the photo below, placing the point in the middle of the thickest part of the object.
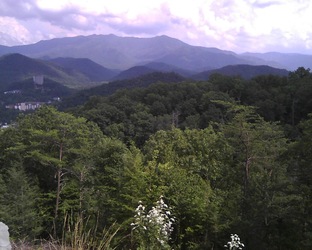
(23, 106)
(38, 79)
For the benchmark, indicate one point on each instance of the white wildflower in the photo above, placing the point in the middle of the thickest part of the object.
(235, 243)
(157, 220)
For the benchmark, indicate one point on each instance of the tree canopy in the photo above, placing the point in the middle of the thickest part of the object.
(226, 156)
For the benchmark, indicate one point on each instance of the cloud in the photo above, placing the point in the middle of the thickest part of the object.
(265, 3)
(12, 32)
(239, 25)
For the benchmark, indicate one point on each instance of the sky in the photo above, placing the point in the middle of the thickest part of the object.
(235, 25)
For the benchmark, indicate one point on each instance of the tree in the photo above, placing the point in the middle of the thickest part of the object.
(298, 87)
(258, 150)
(300, 158)
(189, 168)
(18, 204)
(60, 146)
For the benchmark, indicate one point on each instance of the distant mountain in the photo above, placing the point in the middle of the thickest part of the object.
(244, 71)
(108, 50)
(133, 72)
(137, 71)
(122, 53)
(289, 61)
(94, 71)
(163, 67)
(28, 91)
(16, 67)
(200, 58)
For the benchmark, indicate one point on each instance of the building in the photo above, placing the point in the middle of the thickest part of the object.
(16, 91)
(38, 80)
(23, 106)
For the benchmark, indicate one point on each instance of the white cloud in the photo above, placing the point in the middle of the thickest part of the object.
(13, 33)
(53, 5)
(239, 25)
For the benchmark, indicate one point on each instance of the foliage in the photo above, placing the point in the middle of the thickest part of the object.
(224, 166)
(18, 204)
(259, 148)
(300, 169)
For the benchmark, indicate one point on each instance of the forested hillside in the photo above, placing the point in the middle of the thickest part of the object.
(222, 156)
(17, 67)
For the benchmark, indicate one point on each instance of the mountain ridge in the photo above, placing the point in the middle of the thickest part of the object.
(84, 73)
(242, 70)
(16, 67)
(95, 72)
(121, 53)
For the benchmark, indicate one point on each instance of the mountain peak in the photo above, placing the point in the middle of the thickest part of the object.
(115, 52)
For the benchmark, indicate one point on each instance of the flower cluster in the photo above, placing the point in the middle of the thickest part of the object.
(160, 218)
(154, 225)
(235, 243)
(139, 217)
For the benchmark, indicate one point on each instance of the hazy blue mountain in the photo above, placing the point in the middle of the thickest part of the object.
(94, 71)
(137, 71)
(163, 67)
(133, 72)
(122, 53)
(244, 71)
(201, 58)
(290, 61)
(108, 50)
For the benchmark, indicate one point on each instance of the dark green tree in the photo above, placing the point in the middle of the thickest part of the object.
(58, 150)
(299, 89)
(299, 158)
(18, 204)
(266, 197)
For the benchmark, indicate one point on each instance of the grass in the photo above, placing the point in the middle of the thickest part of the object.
(76, 236)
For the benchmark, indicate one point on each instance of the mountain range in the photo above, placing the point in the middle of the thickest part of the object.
(77, 73)
(121, 53)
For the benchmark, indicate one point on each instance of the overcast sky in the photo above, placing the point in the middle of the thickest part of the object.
(236, 25)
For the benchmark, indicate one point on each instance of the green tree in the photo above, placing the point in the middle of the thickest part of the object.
(299, 89)
(265, 198)
(18, 204)
(59, 145)
(189, 168)
(300, 168)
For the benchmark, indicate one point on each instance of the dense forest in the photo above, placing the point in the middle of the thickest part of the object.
(169, 166)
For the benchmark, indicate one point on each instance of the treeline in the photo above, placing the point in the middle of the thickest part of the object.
(133, 115)
(227, 156)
